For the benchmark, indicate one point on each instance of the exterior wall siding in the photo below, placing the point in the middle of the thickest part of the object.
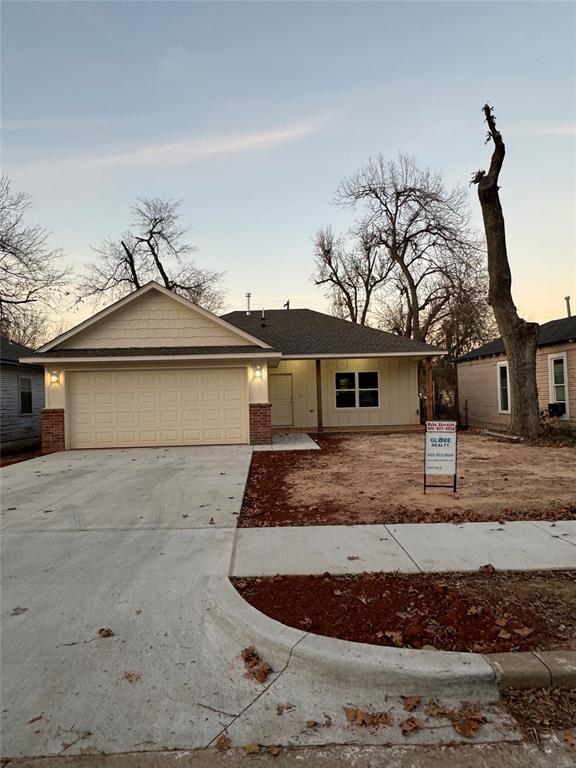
(478, 388)
(14, 427)
(303, 391)
(154, 320)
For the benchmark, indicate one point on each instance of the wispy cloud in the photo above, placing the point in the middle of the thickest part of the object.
(184, 150)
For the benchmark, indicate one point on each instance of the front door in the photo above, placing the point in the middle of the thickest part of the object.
(281, 399)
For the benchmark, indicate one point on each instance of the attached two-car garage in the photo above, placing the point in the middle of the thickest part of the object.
(131, 408)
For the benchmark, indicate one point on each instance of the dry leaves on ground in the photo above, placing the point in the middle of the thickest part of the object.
(373, 719)
(410, 702)
(223, 743)
(569, 738)
(105, 632)
(410, 725)
(252, 748)
(132, 677)
(255, 667)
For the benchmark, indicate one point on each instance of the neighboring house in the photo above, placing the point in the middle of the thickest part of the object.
(21, 398)
(484, 382)
(154, 369)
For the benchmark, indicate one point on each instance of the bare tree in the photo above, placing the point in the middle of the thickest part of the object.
(32, 278)
(351, 272)
(520, 337)
(154, 248)
(422, 231)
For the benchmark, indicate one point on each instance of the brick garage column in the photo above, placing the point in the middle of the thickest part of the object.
(260, 423)
(52, 430)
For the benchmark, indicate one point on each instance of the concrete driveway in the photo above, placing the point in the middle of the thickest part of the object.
(127, 540)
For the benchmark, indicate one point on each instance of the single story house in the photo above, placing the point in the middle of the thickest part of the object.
(484, 383)
(21, 398)
(154, 369)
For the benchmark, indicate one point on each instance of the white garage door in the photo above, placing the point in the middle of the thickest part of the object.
(108, 409)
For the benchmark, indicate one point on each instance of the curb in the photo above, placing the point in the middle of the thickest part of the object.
(344, 663)
(536, 669)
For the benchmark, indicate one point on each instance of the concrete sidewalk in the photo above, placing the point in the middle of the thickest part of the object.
(418, 548)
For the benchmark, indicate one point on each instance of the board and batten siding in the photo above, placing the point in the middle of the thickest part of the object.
(398, 392)
(478, 388)
(154, 320)
(13, 426)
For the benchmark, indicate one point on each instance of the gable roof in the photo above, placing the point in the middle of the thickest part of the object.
(121, 303)
(307, 333)
(553, 332)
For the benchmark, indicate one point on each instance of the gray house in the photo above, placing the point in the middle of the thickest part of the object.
(21, 398)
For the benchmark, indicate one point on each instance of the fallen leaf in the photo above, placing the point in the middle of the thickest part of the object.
(252, 748)
(281, 708)
(363, 718)
(261, 672)
(396, 637)
(466, 727)
(504, 635)
(488, 568)
(274, 751)
(524, 631)
(18, 611)
(132, 677)
(434, 709)
(409, 725)
(249, 656)
(105, 632)
(353, 557)
(211, 521)
(311, 723)
(474, 610)
(501, 622)
(410, 702)
(223, 743)
(350, 714)
(569, 738)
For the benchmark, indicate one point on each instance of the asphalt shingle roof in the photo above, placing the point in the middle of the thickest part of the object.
(11, 351)
(553, 332)
(306, 332)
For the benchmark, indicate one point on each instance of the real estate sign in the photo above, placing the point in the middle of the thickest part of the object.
(440, 450)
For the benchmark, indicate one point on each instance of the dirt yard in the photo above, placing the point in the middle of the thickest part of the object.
(378, 479)
(484, 612)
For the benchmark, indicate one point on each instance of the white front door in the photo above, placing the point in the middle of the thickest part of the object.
(280, 385)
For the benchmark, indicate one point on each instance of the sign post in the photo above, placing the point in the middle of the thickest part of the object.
(440, 452)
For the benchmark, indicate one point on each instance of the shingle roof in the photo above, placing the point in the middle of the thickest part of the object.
(553, 332)
(152, 351)
(306, 332)
(11, 351)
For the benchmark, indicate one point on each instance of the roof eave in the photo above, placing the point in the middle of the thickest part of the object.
(50, 359)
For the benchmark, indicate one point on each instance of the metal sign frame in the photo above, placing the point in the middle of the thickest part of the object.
(453, 484)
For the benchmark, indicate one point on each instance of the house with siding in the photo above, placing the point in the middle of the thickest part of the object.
(484, 382)
(21, 398)
(154, 369)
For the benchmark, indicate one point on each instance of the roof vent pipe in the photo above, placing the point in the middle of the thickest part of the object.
(248, 296)
(567, 300)
(287, 305)
(263, 319)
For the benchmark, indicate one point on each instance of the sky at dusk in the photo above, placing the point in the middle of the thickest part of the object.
(252, 113)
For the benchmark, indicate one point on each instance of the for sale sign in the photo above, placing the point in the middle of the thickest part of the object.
(440, 450)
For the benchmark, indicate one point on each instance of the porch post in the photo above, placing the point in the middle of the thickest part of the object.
(319, 394)
(429, 391)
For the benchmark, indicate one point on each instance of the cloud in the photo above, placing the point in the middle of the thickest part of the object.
(184, 150)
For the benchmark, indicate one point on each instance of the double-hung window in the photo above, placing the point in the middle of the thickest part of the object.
(357, 389)
(25, 390)
(558, 376)
(503, 388)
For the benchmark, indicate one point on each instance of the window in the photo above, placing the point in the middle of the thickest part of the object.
(558, 379)
(25, 386)
(503, 388)
(357, 390)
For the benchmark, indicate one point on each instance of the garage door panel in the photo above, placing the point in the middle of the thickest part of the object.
(175, 407)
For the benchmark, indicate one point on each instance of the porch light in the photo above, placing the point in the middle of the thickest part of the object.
(54, 377)
(257, 371)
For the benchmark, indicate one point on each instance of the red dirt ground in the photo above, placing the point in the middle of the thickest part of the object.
(378, 479)
(484, 613)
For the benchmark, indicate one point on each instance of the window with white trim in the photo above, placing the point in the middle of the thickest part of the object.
(25, 391)
(357, 389)
(503, 388)
(558, 376)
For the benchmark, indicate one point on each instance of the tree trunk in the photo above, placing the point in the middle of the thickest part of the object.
(520, 338)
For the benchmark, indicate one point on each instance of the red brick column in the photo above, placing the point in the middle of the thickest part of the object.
(52, 430)
(260, 423)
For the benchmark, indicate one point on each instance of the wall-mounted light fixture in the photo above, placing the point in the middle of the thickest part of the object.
(257, 371)
(54, 377)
